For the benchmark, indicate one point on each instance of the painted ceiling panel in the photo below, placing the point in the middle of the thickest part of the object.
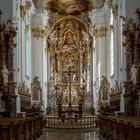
(68, 6)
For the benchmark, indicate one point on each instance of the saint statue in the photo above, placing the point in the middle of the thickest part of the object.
(5, 73)
(65, 96)
(134, 73)
(74, 77)
(84, 75)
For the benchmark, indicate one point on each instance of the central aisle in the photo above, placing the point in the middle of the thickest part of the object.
(69, 136)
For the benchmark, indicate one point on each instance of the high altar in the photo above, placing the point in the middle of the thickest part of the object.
(70, 58)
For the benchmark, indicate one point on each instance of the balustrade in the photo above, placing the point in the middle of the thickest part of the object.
(71, 122)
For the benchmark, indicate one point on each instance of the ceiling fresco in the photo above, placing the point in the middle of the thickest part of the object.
(68, 6)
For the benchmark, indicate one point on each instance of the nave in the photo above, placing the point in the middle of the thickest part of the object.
(68, 68)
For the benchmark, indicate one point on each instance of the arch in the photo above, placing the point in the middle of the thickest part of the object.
(70, 18)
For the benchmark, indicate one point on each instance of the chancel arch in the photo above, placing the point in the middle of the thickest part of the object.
(70, 18)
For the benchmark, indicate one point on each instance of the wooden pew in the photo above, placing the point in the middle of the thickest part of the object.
(5, 131)
(119, 128)
(21, 128)
(136, 132)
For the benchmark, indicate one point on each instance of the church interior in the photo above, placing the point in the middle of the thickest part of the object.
(70, 70)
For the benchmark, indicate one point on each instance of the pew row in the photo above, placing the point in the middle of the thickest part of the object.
(18, 128)
(119, 128)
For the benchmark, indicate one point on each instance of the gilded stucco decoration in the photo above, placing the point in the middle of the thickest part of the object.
(38, 4)
(24, 8)
(115, 10)
(22, 11)
(99, 31)
(39, 32)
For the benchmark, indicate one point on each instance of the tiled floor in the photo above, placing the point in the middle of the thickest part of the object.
(69, 136)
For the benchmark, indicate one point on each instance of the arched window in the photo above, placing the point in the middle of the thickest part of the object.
(121, 39)
(17, 56)
(99, 73)
(17, 45)
(27, 64)
(111, 45)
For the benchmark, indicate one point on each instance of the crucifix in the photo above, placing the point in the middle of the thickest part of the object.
(69, 74)
(70, 84)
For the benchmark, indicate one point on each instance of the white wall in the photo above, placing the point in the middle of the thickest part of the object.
(7, 8)
(131, 6)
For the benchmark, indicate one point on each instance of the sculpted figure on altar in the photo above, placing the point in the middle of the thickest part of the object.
(65, 100)
(53, 40)
(57, 77)
(86, 40)
(5, 73)
(84, 75)
(68, 40)
(74, 96)
(134, 74)
(74, 91)
(65, 96)
(75, 100)
(74, 77)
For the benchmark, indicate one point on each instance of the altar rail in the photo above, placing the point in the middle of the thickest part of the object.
(84, 122)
